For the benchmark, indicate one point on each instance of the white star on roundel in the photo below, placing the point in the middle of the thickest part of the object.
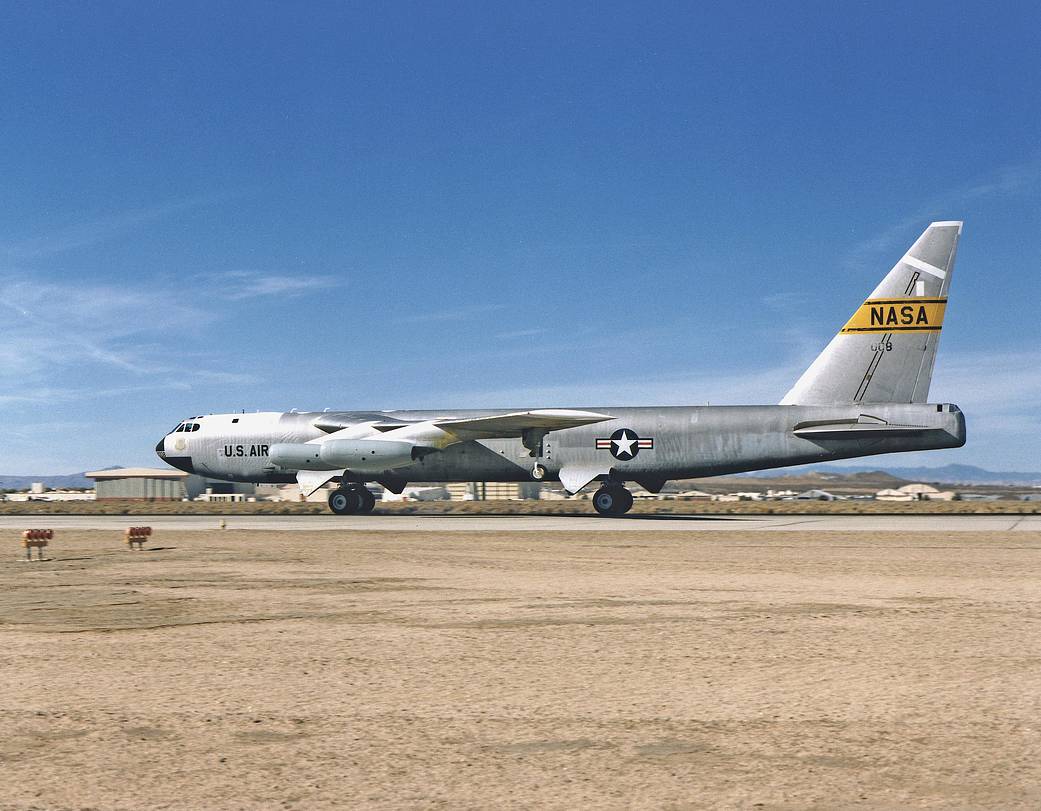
(624, 444)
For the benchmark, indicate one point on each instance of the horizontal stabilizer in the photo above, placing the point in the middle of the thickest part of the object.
(866, 427)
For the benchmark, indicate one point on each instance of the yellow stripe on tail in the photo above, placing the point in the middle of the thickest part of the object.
(897, 315)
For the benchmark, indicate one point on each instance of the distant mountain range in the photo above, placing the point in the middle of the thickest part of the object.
(60, 482)
(948, 474)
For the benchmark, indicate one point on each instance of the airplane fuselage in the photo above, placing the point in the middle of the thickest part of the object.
(644, 445)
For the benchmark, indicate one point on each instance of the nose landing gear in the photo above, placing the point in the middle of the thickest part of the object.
(612, 500)
(351, 500)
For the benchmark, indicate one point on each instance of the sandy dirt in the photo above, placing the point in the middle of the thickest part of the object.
(236, 669)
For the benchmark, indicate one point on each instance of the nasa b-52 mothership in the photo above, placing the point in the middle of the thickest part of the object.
(865, 394)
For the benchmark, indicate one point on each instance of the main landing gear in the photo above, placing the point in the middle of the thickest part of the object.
(612, 500)
(351, 500)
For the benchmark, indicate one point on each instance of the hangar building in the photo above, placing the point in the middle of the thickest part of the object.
(152, 484)
(145, 484)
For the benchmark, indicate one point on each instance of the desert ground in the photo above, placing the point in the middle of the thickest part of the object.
(611, 668)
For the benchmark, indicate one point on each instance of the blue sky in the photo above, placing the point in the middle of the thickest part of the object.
(209, 207)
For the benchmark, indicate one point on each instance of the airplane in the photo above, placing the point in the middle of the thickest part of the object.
(865, 394)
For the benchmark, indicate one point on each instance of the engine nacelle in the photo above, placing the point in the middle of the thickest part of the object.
(360, 455)
(367, 455)
(298, 456)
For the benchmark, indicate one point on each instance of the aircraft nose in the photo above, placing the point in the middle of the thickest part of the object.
(178, 458)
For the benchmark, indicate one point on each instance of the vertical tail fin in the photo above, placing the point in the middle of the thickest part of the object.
(886, 351)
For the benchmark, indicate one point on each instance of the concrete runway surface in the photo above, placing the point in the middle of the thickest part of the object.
(541, 523)
(798, 668)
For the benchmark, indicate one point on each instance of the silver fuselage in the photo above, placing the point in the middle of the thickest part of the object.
(679, 442)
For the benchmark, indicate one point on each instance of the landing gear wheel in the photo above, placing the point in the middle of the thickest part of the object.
(345, 501)
(538, 473)
(612, 500)
(368, 500)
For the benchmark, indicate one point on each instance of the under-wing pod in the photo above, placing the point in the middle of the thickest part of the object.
(358, 455)
(367, 455)
(298, 456)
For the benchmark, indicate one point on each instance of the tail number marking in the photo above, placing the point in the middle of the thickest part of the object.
(897, 315)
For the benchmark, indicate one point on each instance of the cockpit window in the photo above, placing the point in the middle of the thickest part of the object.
(196, 426)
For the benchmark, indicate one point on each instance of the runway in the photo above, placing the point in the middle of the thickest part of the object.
(879, 524)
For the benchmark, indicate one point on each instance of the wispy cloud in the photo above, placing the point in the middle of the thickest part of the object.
(451, 314)
(1012, 179)
(86, 323)
(996, 382)
(999, 392)
(98, 229)
(521, 333)
(760, 386)
(54, 333)
(238, 285)
(785, 302)
(68, 395)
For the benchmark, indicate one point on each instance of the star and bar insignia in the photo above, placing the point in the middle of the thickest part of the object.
(624, 444)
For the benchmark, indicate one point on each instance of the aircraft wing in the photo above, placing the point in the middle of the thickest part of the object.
(515, 423)
(425, 436)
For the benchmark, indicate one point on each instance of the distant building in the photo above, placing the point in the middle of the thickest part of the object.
(816, 495)
(151, 484)
(209, 495)
(423, 493)
(693, 495)
(291, 492)
(51, 495)
(493, 491)
(915, 492)
(145, 484)
(553, 494)
(919, 492)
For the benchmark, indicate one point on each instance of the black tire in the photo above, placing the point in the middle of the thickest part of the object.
(345, 501)
(368, 500)
(612, 501)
